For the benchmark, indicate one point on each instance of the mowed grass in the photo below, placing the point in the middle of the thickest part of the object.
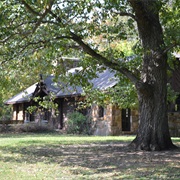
(56, 157)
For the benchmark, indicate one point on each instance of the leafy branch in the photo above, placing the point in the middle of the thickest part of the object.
(42, 15)
(126, 14)
(112, 64)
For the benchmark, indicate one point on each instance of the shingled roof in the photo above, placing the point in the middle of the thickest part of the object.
(104, 80)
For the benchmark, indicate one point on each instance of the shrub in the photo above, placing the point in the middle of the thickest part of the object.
(33, 128)
(25, 128)
(77, 123)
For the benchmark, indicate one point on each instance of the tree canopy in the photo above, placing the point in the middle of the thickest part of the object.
(36, 34)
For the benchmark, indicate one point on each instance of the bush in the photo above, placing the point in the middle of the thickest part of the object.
(25, 128)
(33, 128)
(77, 123)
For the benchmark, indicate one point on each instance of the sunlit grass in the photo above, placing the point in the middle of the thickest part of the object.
(54, 156)
(29, 139)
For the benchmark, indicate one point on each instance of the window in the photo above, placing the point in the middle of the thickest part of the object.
(101, 111)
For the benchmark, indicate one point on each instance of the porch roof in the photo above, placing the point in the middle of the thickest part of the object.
(23, 96)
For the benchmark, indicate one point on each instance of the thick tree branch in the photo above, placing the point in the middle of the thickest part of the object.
(114, 65)
(159, 55)
(106, 62)
(56, 17)
(47, 10)
(169, 48)
(126, 14)
(42, 15)
(32, 43)
(6, 39)
(63, 37)
(30, 8)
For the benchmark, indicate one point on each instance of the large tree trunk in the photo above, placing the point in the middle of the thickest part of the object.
(153, 132)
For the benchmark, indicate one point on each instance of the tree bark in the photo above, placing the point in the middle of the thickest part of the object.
(153, 132)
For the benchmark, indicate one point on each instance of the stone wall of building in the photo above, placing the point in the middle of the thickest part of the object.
(116, 127)
(111, 122)
(134, 121)
(101, 126)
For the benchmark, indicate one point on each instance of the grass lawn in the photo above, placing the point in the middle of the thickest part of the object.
(56, 157)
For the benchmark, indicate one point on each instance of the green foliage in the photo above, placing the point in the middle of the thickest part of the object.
(32, 42)
(170, 20)
(5, 112)
(47, 102)
(123, 95)
(171, 94)
(77, 123)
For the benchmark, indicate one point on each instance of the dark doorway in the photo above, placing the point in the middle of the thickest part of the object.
(61, 109)
(126, 123)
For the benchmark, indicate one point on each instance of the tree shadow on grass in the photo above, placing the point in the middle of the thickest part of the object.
(101, 157)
